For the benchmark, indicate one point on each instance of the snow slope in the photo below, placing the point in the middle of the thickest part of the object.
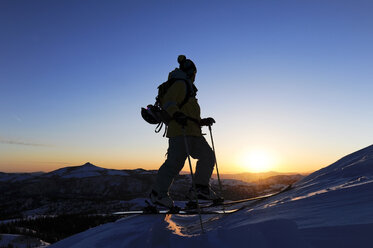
(330, 208)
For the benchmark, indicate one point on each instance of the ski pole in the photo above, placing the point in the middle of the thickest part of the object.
(193, 181)
(216, 163)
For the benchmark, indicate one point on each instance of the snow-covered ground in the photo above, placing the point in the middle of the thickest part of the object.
(330, 208)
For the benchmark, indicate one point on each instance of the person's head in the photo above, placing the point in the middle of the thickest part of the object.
(187, 66)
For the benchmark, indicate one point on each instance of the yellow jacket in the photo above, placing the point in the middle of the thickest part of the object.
(171, 101)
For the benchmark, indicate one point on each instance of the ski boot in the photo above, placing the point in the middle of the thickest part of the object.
(203, 192)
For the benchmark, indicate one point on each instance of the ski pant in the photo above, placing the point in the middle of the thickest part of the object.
(176, 156)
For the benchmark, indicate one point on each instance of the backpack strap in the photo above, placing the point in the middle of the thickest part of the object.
(191, 91)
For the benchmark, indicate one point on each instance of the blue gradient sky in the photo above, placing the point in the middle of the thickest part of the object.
(292, 78)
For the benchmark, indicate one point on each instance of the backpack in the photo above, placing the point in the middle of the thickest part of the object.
(155, 114)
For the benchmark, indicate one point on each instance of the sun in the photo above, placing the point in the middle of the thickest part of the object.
(257, 161)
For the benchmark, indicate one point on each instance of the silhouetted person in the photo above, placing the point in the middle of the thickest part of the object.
(180, 102)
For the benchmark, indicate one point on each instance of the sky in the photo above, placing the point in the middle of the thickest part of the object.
(289, 83)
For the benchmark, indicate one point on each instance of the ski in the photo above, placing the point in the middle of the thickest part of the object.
(151, 209)
(192, 205)
(154, 209)
(180, 212)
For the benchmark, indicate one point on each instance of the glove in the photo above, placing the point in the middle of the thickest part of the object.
(207, 121)
(180, 118)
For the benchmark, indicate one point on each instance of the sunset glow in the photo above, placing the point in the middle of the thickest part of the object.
(257, 161)
(289, 85)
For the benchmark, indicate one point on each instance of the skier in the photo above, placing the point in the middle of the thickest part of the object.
(181, 104)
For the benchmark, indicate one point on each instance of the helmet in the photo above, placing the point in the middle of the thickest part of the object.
(149, 115)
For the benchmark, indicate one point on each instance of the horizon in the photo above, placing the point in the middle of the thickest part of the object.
(181, 172)
(288, 83)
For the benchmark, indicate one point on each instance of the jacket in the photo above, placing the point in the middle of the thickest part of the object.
(171, 101)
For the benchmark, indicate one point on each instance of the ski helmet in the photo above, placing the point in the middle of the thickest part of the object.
(149, 115)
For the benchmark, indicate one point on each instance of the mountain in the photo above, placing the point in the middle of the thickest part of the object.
(76, 189)
(88, 189)
(83, 171)
(14, 177)
(251, 177)
(331, 207)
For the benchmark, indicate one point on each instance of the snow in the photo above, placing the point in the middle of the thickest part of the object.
(329, 208)
(84, 171)
(160, 231)
(15, 177)
(81, 171)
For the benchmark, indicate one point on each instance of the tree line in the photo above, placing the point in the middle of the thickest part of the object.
(54, 228)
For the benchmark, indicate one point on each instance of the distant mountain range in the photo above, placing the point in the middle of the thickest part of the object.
(92, 189)
(253, 177)
(90, 170)
(82, 171)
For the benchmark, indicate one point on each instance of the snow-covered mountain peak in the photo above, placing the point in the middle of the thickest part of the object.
(88, 164)
(88, 167)
(86, 170)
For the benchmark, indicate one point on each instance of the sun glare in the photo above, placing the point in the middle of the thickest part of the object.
(257, 161)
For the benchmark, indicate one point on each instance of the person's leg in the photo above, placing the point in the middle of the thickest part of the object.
(172, 166)
(201, 150)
